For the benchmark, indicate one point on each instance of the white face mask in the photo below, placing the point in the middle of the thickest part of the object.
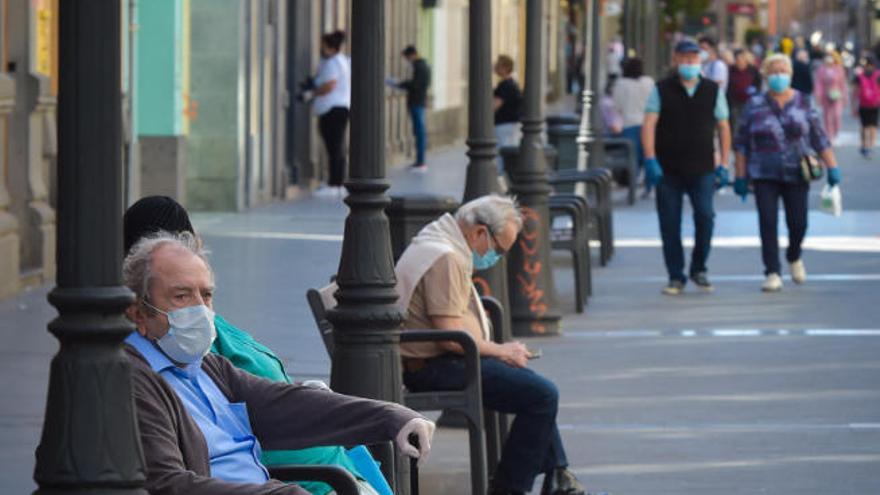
(191, 334)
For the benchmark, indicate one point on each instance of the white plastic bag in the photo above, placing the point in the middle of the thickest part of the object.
(832, 200)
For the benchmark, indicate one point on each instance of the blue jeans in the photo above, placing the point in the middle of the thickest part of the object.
(417, 114)
(533, 444)
(794, 197)
(701, 190)
(634, 134)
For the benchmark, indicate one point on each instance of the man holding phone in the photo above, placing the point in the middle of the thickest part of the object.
(435, 286)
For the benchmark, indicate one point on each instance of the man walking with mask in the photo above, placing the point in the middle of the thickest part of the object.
(434, 284)
(681, 117)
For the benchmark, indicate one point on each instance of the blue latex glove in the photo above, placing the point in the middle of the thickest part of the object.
(722, 177)
(741, 187)
(833, 176)
(653, 172)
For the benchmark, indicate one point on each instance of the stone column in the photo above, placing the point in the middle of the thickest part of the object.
(90, 440)
(585, 136)
(9, 240)
(533, 303)
(31, 151)
(366, 360)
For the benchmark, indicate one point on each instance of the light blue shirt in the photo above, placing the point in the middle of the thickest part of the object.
(233, 450)
(722, 111)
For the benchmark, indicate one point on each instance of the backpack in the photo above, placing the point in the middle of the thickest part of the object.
(869, 91)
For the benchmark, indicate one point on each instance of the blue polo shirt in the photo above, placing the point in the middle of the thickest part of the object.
(233, 450)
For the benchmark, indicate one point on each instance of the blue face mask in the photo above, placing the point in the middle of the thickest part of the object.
(190, 335)
(689, 71)
(486, 261)
(779, 82)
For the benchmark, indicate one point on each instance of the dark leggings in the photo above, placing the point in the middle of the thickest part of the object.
(794, 199)
(332, 126)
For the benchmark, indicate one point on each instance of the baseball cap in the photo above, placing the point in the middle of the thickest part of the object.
(687, 46)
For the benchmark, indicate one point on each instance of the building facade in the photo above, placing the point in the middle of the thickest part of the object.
(208, 91)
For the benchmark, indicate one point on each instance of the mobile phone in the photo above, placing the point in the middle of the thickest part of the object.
(536, 354)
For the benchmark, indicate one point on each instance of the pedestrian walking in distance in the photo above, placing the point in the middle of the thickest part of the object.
(416, 102)
(507, 104)
(332, 100)
(830, 92)
(776, 131)
(681, 117)
(866, 94)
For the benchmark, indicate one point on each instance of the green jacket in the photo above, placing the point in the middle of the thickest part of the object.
(246, 353)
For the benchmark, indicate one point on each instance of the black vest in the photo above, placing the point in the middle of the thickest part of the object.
(684, 139)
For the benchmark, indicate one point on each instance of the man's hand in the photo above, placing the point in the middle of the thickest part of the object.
(722, 177)
(653, 172)
(424, 431)
(514, 354)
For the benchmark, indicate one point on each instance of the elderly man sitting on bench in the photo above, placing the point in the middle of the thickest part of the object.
(202, 421)
(434, 284)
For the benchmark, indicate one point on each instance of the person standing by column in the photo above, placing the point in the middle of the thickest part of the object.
(332, 100)
(416, 101)
(830, 92)
(508, 104)
(681, 117)
(777, 130)
(630, 95)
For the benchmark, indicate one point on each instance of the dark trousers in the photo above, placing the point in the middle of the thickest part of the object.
(533, 444)
(417, 114)
(794, 200)
(332, 127)
(700, 189)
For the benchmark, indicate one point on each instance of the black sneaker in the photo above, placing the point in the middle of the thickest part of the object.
(702, 281)
(674, 288)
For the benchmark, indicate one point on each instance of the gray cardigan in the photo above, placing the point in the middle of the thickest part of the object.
(282, 416)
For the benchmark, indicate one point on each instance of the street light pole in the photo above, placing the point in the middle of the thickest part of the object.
(90, 439)
(482, 170)
(597, 157)
(533, 302)
(366, 322)
(585, 135)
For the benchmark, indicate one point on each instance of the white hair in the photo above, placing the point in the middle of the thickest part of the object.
(776, 58)
(137, 267)
(493, 211)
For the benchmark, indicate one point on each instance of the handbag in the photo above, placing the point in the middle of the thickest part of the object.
(810, 168)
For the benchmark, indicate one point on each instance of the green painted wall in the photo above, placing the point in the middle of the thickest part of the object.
(159, 73)
(214, 145)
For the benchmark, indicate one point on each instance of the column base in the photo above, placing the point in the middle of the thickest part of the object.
(9, 257)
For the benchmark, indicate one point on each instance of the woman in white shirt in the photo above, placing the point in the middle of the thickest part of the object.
(332, 99)
(630, 95)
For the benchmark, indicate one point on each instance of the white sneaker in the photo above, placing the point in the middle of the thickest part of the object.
(326, 192)
(798, 272)
(773, 283)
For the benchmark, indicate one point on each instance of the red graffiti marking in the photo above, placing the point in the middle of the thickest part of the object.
(482, 286)
(529, 242)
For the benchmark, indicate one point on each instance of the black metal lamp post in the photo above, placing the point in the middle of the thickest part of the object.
(366, 359)
(90, 439)
(482, 171)
(533, 302)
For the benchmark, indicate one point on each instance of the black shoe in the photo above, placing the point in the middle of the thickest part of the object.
(497, 490)
(562, 482)
(702, 281)
(674, 288)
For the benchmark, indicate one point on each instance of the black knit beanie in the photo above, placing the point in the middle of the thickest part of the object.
(152, 214)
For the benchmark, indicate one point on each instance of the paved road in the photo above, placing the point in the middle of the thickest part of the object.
(734, 392)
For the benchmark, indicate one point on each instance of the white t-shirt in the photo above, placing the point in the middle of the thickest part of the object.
(630, 97)
(335, 68)
(717, 71)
